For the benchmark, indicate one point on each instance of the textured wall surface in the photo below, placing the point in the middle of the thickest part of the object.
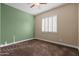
(0, 23)
(67, 25)
(15, 24)
(78, 25)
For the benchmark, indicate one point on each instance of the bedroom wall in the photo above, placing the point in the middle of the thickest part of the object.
(15, 24)
(67, 25)
(78, 26)
(0, 23)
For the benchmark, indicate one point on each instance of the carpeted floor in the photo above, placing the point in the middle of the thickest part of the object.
(37, 48)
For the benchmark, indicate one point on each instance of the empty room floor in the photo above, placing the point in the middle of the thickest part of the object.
(37, 47)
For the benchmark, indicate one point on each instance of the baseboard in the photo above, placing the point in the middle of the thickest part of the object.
(43, 40)
(60, 43)
(16, 42)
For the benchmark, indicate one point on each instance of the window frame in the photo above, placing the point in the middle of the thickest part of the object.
(43, 27)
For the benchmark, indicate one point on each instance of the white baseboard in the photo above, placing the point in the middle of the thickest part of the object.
(43, 40)
(16, 42)
(73, 46)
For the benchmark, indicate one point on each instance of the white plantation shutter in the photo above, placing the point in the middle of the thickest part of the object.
(46, 24)
(54, 23)
(49, 24)
(43, 25)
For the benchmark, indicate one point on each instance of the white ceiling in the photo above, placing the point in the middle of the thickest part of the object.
(34, 11)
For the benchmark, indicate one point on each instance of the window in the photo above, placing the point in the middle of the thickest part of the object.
(49, 24)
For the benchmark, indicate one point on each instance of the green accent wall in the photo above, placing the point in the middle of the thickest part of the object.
(15, 24)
